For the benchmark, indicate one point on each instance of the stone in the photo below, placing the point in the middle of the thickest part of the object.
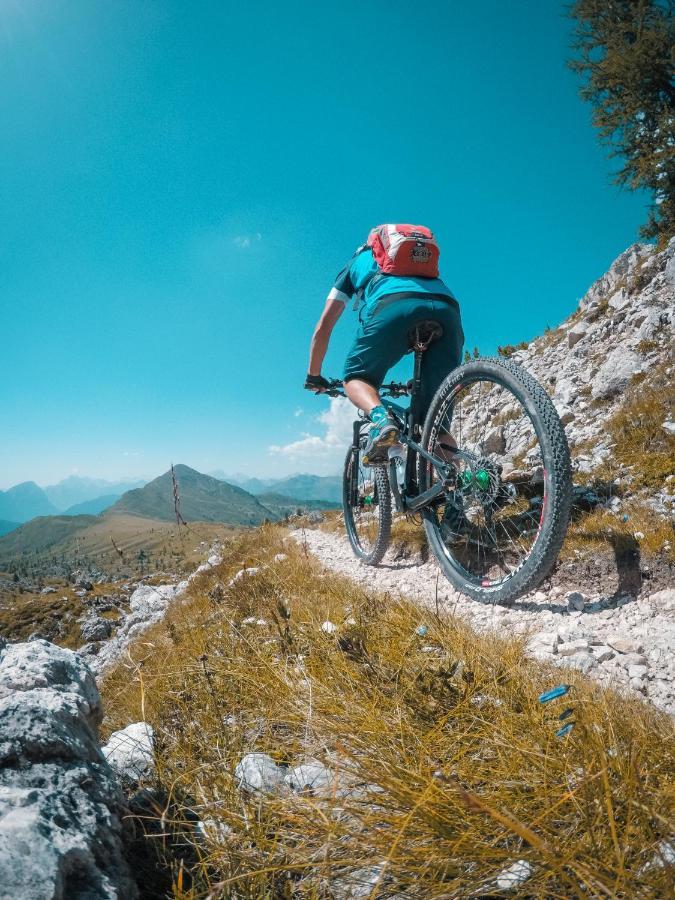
(576, 601)
(663, 856)
(243, 573)
(495, 442)
(130, 752)
(625, 644)
(96, 628)
(583, 662)
(602, 653)
(576, 333)
(312, 777)
(637, 671)
(638, 685)
(619, 300)
(664, 599)
(357, 884)
(572, 647)
(280, 557)
(633, 659)
(258, 773)
(329, 627)
(546, 641)
(615, 373)
(60, 804)
(513, 876)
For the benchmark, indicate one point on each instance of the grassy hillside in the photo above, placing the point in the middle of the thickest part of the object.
(202, 499)
(115, 543)
(46, 533)
(443, 769)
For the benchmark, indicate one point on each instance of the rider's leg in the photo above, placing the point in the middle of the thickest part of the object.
(362, 395)
(440, 359)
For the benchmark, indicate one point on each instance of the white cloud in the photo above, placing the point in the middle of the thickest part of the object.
(246, 240)
(298, 411)
(323, 452)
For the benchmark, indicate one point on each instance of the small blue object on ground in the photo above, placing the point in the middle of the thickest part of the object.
(565, 730)
(421, 630)
(554, 693)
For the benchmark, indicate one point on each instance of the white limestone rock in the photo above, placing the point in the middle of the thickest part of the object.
(257, 772)
(60, 805)
(615, 373)
(129, 752)
(515, 875)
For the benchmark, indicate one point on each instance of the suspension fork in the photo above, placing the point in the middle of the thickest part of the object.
(353, 486)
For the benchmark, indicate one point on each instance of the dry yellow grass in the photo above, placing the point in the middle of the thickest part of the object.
(635, 526)
(451, 767)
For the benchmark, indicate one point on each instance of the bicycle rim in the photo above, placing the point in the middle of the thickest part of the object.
(506, 505)
(366, 505)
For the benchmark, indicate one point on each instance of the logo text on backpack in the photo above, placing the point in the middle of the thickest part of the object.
(420, 254)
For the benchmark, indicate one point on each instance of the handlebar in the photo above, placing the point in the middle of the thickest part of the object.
(392, 389)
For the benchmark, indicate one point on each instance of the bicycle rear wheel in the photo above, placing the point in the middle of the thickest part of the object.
(366, 503)
(505, 510)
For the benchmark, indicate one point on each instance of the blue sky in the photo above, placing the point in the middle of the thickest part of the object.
(180, 183)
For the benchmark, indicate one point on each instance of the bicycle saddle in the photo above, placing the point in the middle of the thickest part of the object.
(424, 333)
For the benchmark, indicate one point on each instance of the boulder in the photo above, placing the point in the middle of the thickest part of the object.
(615, 373)
(495, 442)
(129, 752)
(60, 804)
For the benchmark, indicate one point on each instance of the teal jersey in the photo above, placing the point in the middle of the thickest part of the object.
(362, 278)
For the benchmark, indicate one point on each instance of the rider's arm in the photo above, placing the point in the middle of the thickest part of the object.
(324, 328)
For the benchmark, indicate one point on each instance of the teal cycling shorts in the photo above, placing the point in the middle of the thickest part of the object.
(382, 340)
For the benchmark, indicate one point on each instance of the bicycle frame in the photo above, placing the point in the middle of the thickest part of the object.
(407, 500)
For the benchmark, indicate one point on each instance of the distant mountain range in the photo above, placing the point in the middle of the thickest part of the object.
(70, 497)
(76, 490)
(25, 501)
(240, 500)
(304, 488)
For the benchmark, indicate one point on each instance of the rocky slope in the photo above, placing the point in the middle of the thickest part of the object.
(622, 330)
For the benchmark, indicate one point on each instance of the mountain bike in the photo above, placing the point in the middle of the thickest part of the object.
(488, 471)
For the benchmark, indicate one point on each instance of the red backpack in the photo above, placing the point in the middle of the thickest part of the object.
(405, 250)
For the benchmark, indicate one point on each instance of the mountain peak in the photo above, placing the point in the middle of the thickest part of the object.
(202, 499)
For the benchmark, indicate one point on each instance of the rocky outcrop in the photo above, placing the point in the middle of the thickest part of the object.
(622, 327)
(147, 605)
(60, 804)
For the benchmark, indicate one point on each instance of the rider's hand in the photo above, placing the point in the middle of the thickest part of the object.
(316, 383)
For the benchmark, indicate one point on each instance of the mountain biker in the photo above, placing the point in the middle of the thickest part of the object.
(390, 304)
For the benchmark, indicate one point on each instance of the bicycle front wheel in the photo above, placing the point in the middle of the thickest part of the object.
(366, 503)
(506, 506)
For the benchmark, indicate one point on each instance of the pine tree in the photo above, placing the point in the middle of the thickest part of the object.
(625, 56)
